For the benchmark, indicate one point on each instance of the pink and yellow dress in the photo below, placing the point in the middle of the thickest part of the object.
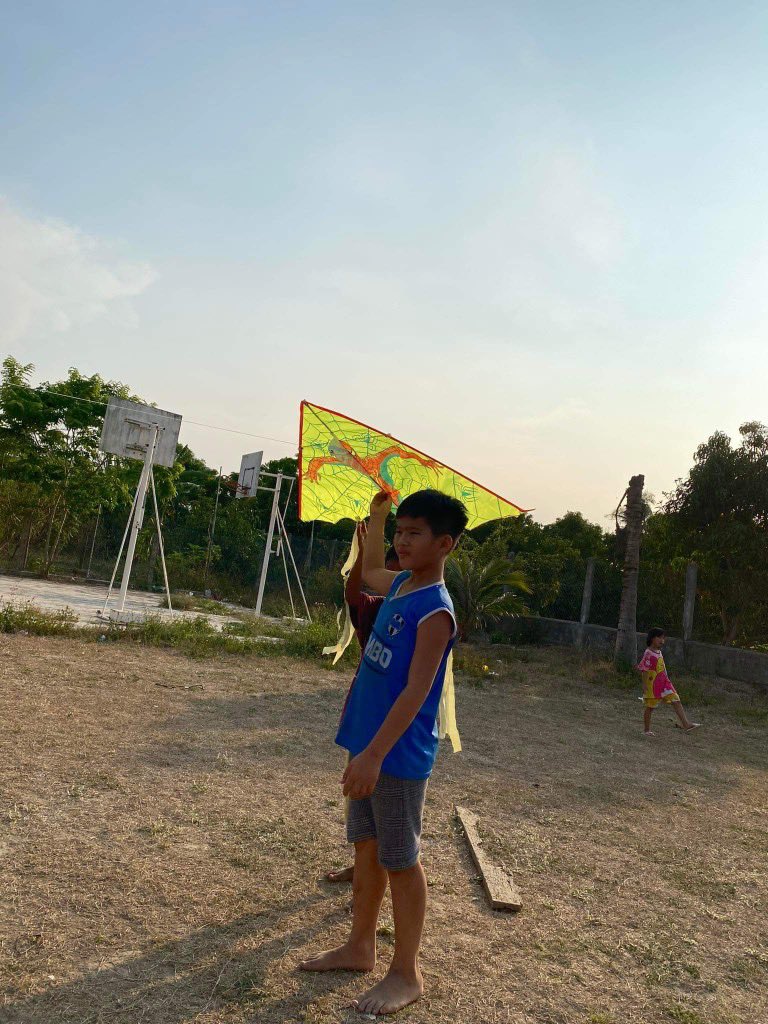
(657, 686)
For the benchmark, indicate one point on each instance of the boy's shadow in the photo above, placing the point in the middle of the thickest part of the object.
(199, 973)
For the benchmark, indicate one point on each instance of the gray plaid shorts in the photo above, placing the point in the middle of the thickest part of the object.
(392, 816)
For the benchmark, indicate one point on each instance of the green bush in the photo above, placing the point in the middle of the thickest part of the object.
(27, 618)
(483, 591)
(193, 603)
(325, 586)
(195, 637)
(309, 639)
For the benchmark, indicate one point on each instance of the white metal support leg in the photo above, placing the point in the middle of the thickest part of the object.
(287, 544)
(268, 545)
(138, 518)
(158, 524)
(120, 554)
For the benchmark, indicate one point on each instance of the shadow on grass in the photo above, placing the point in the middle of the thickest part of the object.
(559, 728)
(210, 971)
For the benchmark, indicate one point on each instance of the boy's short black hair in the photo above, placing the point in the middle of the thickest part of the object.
(653, 634)
(442, 513)
(391, 556)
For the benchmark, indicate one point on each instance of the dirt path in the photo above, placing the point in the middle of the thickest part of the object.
(161, 845)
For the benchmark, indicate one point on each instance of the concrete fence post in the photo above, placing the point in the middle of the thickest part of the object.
(689, 606)
(586, 598)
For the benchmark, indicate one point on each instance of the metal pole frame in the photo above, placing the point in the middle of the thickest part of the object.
(120, 552)
(276, 519)
(133, 526)
(160, 539)
(138, 516)
(293, 563)
(284, 560)
(268, 544)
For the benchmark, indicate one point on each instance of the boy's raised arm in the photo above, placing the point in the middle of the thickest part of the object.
(375, 575)
(432, 638)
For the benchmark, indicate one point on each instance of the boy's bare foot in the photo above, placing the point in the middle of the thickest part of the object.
(392, 993)
(343, 958)
(345, 875)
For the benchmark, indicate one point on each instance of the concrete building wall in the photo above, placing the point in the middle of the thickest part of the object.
(711, 659)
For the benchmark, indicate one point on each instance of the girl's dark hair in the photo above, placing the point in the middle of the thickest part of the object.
(653, 634)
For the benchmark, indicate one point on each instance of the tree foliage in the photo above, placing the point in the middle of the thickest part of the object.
(63, 501)
(483, 590)
(551, 558)
(718, 517)
(53, 475)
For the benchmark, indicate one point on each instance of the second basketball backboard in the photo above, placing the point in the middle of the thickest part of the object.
(248, 480)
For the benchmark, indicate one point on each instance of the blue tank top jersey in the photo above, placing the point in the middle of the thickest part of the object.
(383, 675)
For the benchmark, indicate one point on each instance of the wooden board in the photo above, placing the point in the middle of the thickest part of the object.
(499, 887)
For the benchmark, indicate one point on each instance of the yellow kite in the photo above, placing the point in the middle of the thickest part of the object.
(343, 463)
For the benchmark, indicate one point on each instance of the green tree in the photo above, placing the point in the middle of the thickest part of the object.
(552, 558)
(50, 459)
(587, 539)
(483, 591)
(718, 517)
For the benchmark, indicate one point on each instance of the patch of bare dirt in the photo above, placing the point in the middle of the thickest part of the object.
(161, 847)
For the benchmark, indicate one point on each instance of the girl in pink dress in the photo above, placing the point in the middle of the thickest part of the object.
(657, 686)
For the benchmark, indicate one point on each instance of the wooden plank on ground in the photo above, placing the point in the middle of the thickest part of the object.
(501, 890)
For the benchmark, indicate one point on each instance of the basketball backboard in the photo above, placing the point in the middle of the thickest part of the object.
(248, 480)
(127, 431)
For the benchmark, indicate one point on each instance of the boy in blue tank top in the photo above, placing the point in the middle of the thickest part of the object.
(389, 727)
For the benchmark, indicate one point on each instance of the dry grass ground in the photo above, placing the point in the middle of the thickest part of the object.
(165, 823)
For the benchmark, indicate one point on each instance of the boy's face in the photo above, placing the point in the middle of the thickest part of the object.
(417, 547)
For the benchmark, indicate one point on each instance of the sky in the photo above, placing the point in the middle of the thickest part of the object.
(530, 239)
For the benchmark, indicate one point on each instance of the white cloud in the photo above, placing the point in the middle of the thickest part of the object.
(526, 245)
(570, 203)
(553, 417)
(55, 278)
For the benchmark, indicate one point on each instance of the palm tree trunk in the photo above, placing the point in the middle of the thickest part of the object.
(626, 636)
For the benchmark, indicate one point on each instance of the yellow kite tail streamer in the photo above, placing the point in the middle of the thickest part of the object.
(447, 727)
(347, 630)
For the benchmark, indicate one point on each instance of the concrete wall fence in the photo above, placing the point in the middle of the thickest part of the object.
(710, 659)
